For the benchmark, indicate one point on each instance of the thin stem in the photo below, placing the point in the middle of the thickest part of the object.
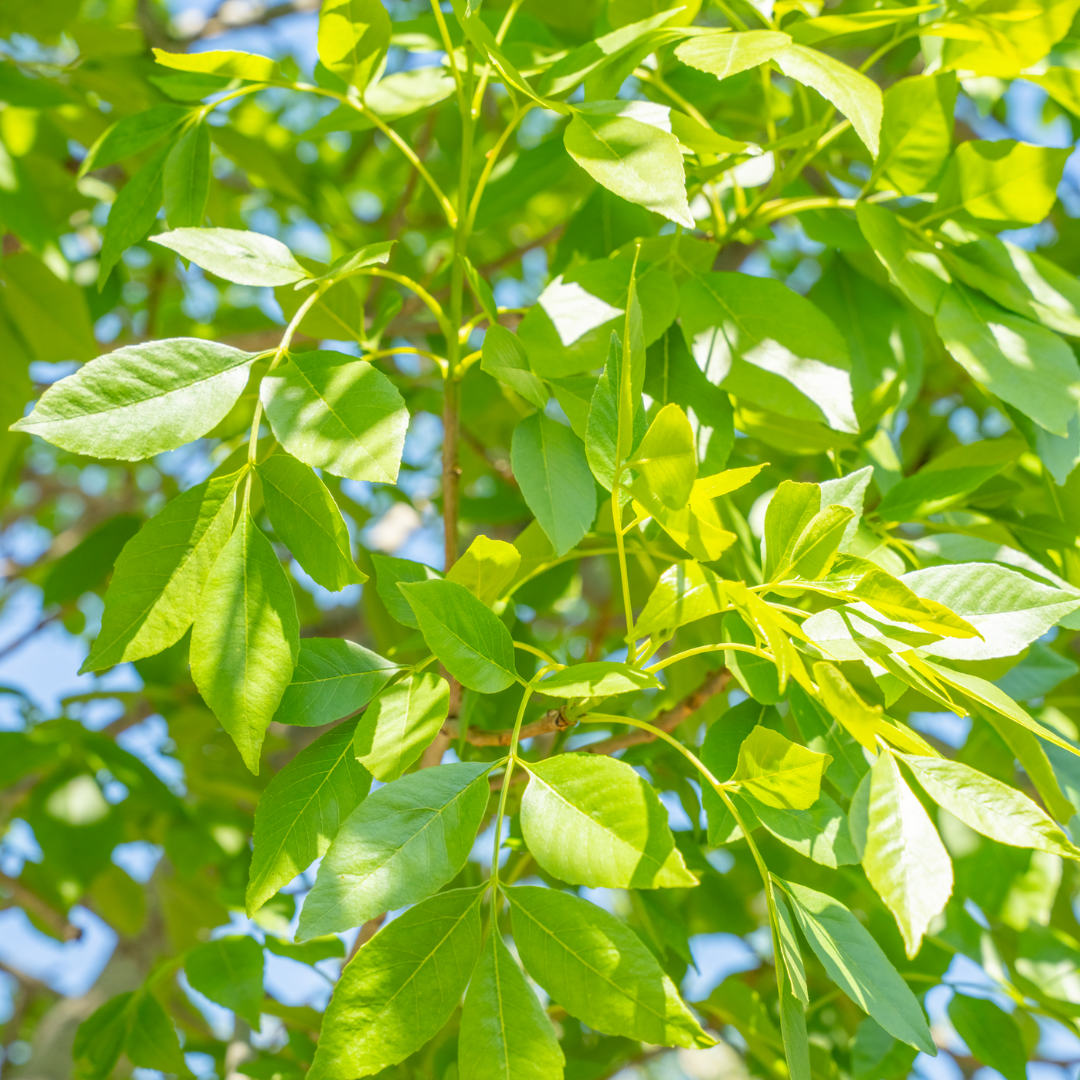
(492, 160)
(448, 45)
(282, 349)
(722, 646)
(620, 545)
(511, 761)
(603, 718)
(538, 652)
(415, 287)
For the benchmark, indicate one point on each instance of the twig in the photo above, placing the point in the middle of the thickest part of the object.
(30, 902)
(553, 720)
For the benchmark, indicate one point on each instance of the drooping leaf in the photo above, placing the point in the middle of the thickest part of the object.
(337, 414)
(141, 400)
(305, 516)
(246, 638)
(593, 821)
(505, 1033)
(159, 575)
(464, 634)
(401, 987)
(402, 843)
(598, 969)
(550, 465)
(301, 811)
(333, 678)
(857, 965)
(991, 1034)
(400, 724)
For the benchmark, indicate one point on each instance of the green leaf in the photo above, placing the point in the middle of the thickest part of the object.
(393, 97)
(483, 295)
(229, 971)
(904, 857)
(88, 563)
(400, 725)
(151, 1041)
(602, 443)
(141, 400)
(825, 27)
(723, 55)
(684, 593)
(133, 213)
(916, 132)
(630, 156)
(486, 569)
(593, 821)
(996, 348)
(855, 95)
(99, 1041)
(819, 833)
(231, 64)
(988, 806)
(550, 466)
(667, 457)
(598, 678)
(504, 358)
(353, 39)
(247, 258)
(779, 772)
(367, 255)
(246, 638)
(401, 987)
(333, 678)
(1006, 183)
(32, 296)
(158, 577)
(505, 1033)
(755, 674)
(817, 547)
(133, 134)
(598, 970)
(794, 969)
(1008, 609)
(337, 414)
(790, 512)
(405, 841)
(855, 962)
(187, 178)
(947, 479)
(991, 1034)
(388, 572)
(302, 810)
(465, 634)
(761, 341)
(306, 518)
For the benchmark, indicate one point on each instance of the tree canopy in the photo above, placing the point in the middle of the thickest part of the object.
(567, 480)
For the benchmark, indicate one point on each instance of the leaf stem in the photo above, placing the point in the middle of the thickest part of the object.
(510, 762)
(721, 646)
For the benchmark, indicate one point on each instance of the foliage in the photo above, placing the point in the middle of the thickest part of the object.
(708, 301)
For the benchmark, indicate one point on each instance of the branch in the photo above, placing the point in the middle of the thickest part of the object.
(553, 720)
(31, 903)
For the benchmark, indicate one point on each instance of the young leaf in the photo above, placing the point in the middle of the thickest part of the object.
(857, 965)
(229, 63)
(481, 290)
(593, 821)
(904, 857)
(229, 971)
(159, 575)
(400, 724)
(603, 449)
(353, 39)
(337, 414)
(685, 593)
(333, 678)
(486, 569)
(991, 1034)
(597, 678)
(790, 511)
(504, 358)
(598, 970)
(667, 457)
(550, 466)
(246, 638)
(636, 160)
(301, 811)
(401, 987)
(141, 400)
(247, 258)
(794, 969)
(988, 806)
(133, 134)
(505, 1033)
(779, 772)
(464, 634)
(133, 213)
(402, 843)
(305, 516)
(187, 178)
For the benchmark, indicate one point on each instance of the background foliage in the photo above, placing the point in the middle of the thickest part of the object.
(792, 286)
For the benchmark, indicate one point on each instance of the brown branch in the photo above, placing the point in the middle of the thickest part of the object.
(31, 903)
(553, 720)
(716, 683)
